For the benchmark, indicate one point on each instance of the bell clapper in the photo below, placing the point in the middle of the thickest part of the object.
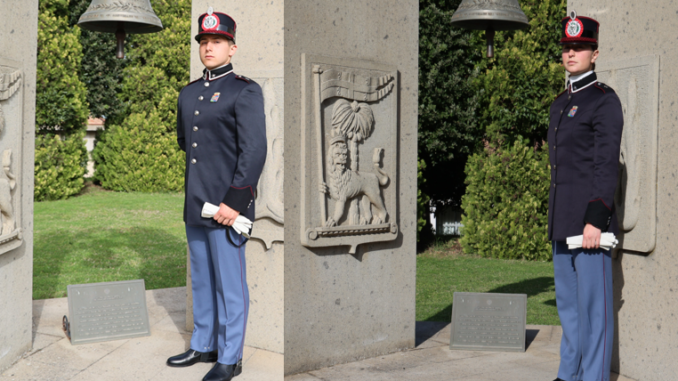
(489, 36)
(120, 36)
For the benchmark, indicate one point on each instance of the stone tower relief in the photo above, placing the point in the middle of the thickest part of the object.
(636, 82)
(349, 152)
(11, 127)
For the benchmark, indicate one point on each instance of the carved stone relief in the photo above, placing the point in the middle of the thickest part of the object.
(11, 127)
(270, 212)
(349, 152)
(636, 82)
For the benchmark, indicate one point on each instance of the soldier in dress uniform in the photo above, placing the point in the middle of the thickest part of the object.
(584, 140)
(221, 127)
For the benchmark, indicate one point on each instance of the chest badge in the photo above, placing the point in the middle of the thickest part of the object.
(215, 97)
(570, 114)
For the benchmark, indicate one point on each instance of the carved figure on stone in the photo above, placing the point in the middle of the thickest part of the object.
(7, 185)
(355, 121)
(347, 185)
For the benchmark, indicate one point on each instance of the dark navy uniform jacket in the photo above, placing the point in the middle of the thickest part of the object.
(584, 140)
(222, 128)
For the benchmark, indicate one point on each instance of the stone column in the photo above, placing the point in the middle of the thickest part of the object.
(351, 75)
(18, 56)
(260, 57)
(638, 52)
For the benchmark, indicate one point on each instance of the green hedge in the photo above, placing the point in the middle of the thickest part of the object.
(140, 156)
(506, 203)
(60, 165)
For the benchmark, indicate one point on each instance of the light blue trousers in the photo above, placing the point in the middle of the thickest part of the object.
(584, 296)
(220, 295)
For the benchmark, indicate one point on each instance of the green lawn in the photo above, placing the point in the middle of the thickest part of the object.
(443, 270)
(105, 236)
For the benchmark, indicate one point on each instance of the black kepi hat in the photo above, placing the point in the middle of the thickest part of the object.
(216, 23)
(579, 30)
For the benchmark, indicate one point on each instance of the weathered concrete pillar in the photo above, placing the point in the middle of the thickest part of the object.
(638, 52)
(18, 59)
(351, 75)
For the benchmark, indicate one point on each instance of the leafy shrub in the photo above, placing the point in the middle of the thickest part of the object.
(60, 165)
(422, 198)
(140, 156)
(506, 203)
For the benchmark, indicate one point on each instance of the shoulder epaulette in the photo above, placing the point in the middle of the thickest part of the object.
(561, 93)
(192, 82)
(242, 78)
(603, 87)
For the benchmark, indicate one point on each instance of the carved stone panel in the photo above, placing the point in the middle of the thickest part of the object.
(636, 82)
(11, 138)
(349, 146)
(269, 220)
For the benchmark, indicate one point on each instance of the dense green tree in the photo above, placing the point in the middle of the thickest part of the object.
(100, 71)
(140, 152)
(517, 86)
(61, 105)
(506, 201)
(448, 103)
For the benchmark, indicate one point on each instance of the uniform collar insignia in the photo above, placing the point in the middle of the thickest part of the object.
(583, 83)
(211, 75)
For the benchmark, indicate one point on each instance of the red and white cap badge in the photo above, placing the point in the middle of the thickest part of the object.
(574, 27)
(210, 22)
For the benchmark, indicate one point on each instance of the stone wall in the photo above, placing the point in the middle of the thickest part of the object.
(638, 51)
(350, 66)
(259, 37)
(18, 59)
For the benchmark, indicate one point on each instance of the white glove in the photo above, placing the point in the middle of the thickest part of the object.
(607, 241)
(242, 224)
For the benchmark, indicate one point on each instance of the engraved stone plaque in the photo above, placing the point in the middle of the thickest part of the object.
(636, 82)
(488, 322)
(349, 151)
(107, 311)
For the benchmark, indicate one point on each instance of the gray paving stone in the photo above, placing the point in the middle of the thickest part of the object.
(54, 358)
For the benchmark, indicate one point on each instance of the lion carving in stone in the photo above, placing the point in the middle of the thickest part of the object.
(345, 184)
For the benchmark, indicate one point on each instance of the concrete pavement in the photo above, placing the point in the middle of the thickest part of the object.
(432, 360)
(54, 358)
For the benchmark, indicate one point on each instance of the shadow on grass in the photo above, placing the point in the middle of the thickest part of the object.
(531, 287)
(106, 255)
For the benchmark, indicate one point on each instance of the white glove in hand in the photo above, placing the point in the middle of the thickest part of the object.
(607, 241)
(242, 224)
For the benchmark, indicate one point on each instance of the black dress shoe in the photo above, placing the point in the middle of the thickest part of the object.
(221, 372)
(191, 357)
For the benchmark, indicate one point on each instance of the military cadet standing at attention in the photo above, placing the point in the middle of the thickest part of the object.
(584, 140)
(221, 127)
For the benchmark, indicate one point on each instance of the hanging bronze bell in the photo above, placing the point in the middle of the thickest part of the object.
(121, 17)
(490, 16)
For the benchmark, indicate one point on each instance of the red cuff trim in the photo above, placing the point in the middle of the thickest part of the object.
(601, 200)
(252, 192)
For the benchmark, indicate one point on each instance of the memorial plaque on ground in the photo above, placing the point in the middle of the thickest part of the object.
(488, 322)
(107, 311)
